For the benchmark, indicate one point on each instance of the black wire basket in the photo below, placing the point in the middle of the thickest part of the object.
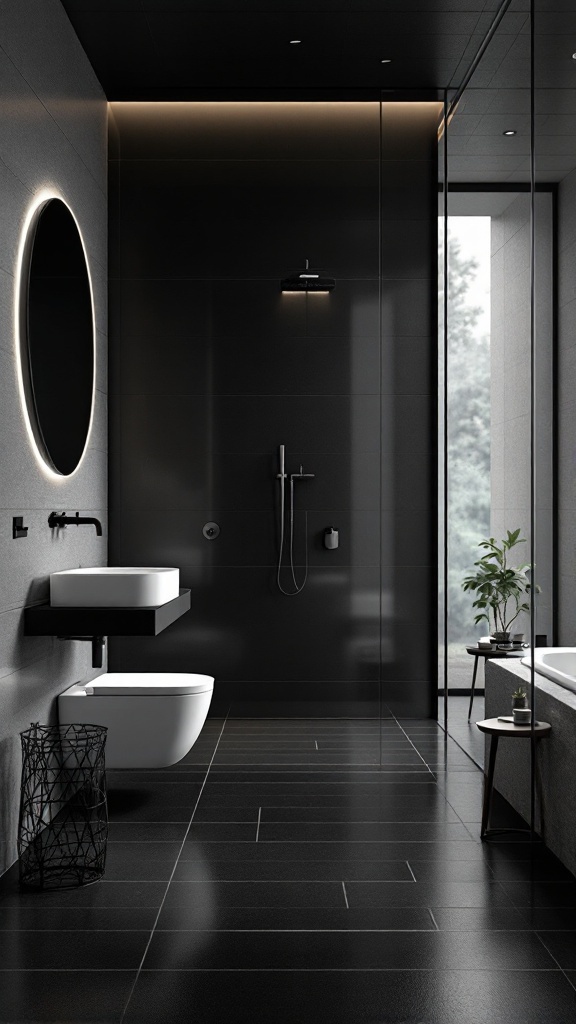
(63, 823)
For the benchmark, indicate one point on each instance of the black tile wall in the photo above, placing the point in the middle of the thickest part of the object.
(213, 367)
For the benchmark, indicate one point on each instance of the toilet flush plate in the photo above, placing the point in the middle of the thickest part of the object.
(114, 587)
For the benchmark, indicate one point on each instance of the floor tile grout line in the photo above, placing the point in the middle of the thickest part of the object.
(412, 745)
(133, 986)
(310, 821)
(550, 954)
(258, 823)
(434, 921)
(345, 895)
(410, 870)
(282, 970)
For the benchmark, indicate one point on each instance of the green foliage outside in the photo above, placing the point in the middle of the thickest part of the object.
(468, 440)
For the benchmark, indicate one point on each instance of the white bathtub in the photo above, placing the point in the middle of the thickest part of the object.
(556, 663)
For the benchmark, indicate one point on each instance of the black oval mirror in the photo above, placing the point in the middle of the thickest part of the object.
(57, 337)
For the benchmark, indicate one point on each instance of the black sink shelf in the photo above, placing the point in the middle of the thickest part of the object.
(43, 620)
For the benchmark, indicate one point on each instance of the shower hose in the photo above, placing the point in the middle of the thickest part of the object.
(297, 588)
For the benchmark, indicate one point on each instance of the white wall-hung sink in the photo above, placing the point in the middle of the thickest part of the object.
(114, 587)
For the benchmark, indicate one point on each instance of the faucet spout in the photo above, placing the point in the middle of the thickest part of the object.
(60, 519)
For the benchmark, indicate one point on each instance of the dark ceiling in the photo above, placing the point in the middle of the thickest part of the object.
(240, 49)
(200, 49)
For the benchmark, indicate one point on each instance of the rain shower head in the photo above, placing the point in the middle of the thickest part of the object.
(308, 280)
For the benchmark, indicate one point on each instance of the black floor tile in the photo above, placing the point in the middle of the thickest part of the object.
(549, 918)
(451, 871)
(470, 919)
(319, 783)
(75, 950)
(147, 862)
(255, 894)
(425, 894)
(453, 851)
(358, 831)
(505, 852)
(225, 813)
(426, 792)
(167, 784)
(65, 997)
(541, 894)
(146, 831)
(404, 809)
(143, 801)
(209, 918)
(323, 951)
(562, 947)
(312, 759)
(362, 997)
(39, 918)
(223, 831)
(327, 775)
(542, 869)
(101, 894)
(298, 870)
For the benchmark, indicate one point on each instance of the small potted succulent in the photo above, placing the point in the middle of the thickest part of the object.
(501, 588)
(519, 698)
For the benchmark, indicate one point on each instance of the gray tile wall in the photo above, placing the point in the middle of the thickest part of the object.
(510, 391)
(567, 411)
(52, 134)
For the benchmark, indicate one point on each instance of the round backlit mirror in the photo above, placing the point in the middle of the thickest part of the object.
(57, 337)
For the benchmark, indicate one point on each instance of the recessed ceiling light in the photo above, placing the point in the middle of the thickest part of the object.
(574, 56)
(387, 60)
(509, 132)
(294, 42)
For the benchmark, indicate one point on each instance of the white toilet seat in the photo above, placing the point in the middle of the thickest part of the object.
(151, 684)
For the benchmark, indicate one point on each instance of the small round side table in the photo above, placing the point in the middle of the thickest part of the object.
(494, 728)
(480, 654)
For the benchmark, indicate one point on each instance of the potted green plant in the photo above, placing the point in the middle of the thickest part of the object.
(501, 589)
(519, 698)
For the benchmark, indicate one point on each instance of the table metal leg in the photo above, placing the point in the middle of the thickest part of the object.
(488, 786)
(473, 685)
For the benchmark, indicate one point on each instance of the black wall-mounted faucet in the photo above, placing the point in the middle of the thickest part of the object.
(60, 519)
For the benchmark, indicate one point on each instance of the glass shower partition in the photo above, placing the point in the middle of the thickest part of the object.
(487, 224)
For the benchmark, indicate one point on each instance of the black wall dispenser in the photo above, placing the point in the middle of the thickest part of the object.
(331, 538)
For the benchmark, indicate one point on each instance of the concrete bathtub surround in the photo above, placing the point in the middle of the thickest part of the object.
(556, 757)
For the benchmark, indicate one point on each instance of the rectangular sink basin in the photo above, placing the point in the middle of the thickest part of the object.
(114, 587)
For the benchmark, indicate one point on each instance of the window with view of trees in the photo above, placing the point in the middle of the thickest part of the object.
(468, 375)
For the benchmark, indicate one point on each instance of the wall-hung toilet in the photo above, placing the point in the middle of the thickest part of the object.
(153, 718)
